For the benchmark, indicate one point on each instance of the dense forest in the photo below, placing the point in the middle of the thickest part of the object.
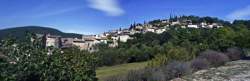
(174, 53)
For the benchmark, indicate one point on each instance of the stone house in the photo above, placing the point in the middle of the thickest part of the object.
(52, 41)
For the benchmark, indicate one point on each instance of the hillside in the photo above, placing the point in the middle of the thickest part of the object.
(19, 32)
(232, 71)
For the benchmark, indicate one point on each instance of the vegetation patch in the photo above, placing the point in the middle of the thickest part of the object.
(104, 72)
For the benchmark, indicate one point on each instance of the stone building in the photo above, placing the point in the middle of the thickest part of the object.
(52, 41)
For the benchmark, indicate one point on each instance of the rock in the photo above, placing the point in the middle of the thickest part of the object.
(231, 71)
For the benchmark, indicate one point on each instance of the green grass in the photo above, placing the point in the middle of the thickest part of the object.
(104, 72)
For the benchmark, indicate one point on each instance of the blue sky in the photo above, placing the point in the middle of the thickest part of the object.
(96, 16)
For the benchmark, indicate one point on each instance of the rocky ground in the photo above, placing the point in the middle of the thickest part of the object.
(232, 71)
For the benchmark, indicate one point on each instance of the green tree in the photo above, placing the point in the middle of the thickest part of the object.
(29, 61)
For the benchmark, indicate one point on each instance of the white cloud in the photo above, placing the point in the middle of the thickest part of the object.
(240, 14)
(111, 7)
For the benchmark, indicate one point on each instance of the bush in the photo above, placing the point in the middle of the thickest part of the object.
(214, 58)
(177, 69)
(115, 56)
(172, 53)
(234, 53)
(199, 64)
(159, 60)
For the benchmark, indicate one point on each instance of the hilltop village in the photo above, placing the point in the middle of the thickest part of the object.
(87, 42)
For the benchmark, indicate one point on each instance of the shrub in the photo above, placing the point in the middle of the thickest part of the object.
(234, 53)
(199, 64)
(172, 53)
(177, 69)
(214, 58)
(178, 53)
(158, 60)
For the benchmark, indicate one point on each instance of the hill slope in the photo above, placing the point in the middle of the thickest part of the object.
(19, 32)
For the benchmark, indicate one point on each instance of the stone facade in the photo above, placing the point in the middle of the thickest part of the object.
(52, 41)
(85, 43)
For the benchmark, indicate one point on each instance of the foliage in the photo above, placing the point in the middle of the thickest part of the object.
(199, 64)
(197, 20)
(177, 69)
(114, 56)
(29, 61)
(171, 53)
(214, 58)
(234, 53)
